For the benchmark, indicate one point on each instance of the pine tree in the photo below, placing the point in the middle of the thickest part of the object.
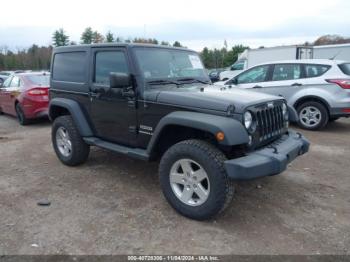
(177, 44)
(109, 37)
(97, 37)
(87, 36)
(59, 38)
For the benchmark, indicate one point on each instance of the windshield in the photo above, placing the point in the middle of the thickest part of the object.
(159, 63)
(40, 80)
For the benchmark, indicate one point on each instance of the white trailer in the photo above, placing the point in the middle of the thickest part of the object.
(334, 52)
(252, 57)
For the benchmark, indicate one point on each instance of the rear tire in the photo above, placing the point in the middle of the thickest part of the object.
(312, 115)
(20, 115)
(204, 172)
(69, 146)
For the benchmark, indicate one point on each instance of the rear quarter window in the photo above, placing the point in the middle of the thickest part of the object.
(70, 67)
(316, 70)
(345, 68)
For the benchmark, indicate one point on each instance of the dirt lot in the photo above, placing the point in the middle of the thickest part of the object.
(113, 204)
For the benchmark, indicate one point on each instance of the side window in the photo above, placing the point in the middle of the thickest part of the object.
(70, 67)
(315, 70)
(107, 62)
(7, 82)
(254, 75)
(15, 82)
(286, 72)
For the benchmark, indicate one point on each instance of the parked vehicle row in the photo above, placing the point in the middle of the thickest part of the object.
(157, 103)
(25, 95)
(318, 89)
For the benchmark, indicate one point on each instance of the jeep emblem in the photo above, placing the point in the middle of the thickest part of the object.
(270, 105)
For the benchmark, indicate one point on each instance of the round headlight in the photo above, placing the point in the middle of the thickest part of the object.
(248, 120)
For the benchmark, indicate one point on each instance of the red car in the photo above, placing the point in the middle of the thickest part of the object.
(25, 95)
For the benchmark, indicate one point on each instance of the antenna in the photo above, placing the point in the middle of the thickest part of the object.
(332, 58)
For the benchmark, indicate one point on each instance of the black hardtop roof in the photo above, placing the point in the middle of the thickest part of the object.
(87, 46)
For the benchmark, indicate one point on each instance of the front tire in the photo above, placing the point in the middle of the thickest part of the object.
(312, 115)
(22, 119)
(194, 180)
(69, 146)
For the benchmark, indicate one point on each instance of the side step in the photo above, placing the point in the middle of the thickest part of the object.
(132, 152)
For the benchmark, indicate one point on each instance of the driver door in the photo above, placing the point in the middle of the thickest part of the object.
(113, 115)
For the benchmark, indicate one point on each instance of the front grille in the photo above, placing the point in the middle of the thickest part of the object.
(269, 123)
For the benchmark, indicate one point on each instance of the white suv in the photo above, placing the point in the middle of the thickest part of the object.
(318, 89)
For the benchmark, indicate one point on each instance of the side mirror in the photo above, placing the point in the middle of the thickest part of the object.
(119, 80)
(233, 81)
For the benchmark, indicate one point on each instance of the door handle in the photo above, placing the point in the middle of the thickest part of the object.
(296, 84)
(128, 92)
(257, 86)
(95, 94)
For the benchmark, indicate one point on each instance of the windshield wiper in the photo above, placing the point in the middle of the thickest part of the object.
(192, 80)
(163, 82)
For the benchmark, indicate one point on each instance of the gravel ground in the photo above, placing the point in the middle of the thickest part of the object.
(114, 205)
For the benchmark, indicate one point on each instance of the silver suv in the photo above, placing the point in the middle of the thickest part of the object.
(318, 89)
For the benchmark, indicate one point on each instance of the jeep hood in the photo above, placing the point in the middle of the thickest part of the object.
(213, 98)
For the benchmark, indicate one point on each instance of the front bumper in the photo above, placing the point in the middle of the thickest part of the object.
(270, 160)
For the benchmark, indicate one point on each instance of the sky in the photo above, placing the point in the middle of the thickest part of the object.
(195, 24)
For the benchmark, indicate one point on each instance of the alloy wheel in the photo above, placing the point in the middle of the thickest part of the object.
(189, 182)
(310, 116)
(63, 141)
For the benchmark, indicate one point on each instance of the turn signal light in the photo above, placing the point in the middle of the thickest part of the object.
(220, 136)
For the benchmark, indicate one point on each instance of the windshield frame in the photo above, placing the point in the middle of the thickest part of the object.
(145, 80)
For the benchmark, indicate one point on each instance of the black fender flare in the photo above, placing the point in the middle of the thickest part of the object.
(75, 111)
(292, 114)
(235, 133)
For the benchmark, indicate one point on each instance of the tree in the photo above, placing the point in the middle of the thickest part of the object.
(165, 43)
(34, 58)
(109, 37)
(87, 36)
(97, 37)
(331, 40)
(59, 38)
(145, 40)
(177, 44)
(221, 57)
(232, 55)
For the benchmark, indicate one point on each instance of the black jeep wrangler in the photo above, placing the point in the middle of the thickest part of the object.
(157, 103)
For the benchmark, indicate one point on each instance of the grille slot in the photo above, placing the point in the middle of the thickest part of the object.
(270, 122)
